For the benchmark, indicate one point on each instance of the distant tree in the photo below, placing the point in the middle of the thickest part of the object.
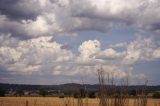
(91, 94)
(156, 95)
(2, 93)
(76, 94)
(19, 92)
(132, 93)
(82, 92)
(43, 92)
(61, 95)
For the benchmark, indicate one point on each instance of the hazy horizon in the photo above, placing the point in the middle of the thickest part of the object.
(64, 41)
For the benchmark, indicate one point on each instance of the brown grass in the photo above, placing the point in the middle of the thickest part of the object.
(54, 101)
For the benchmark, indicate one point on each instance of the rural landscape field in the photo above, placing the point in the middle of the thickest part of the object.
(79, 52)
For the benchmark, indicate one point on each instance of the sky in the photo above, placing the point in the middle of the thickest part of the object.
(65, 41)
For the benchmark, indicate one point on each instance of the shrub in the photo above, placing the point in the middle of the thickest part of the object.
(2, 93)
(43, 92)
(19, 92)
(91, 94)
(156, 95)
(61, 96)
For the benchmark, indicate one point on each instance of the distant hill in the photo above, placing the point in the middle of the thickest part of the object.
(69, 86)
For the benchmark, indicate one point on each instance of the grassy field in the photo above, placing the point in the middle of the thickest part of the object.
(53, 101)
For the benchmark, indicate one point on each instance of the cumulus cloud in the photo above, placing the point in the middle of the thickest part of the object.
(118, 45)
(18, 9)
(27, 29)
(88, 49)
(44, 56)
(118, 72)
(42, 53)
(56, 17)
(156, 53)
(33, 54)
(133, 12)
(110, 54)
(142, 49)
(91, 52)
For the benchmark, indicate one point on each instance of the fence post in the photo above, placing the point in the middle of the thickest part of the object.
(26, 102)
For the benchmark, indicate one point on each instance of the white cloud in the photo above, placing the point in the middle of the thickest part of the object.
(36, 28)
(40, 20)
(118, 45)
(142, 49)
(133, 12)
(88, 49)
(44, 56)
(7, 40)
(110, 54)
(156, 53)
(33, 54)
(66, 17)
(118, 72)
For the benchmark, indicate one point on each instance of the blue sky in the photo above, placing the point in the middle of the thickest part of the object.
(63, 41)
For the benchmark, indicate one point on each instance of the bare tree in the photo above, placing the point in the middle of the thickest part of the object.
(102, 90)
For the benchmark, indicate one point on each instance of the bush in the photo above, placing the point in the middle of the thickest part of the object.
(133, 93)
(61, 96)
(81, 93)
(2, 93)
(19, 92)
(76, 95)
(43, 92)
(156, 95)
(91, 94)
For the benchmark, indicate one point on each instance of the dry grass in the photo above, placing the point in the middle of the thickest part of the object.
(53, 101)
